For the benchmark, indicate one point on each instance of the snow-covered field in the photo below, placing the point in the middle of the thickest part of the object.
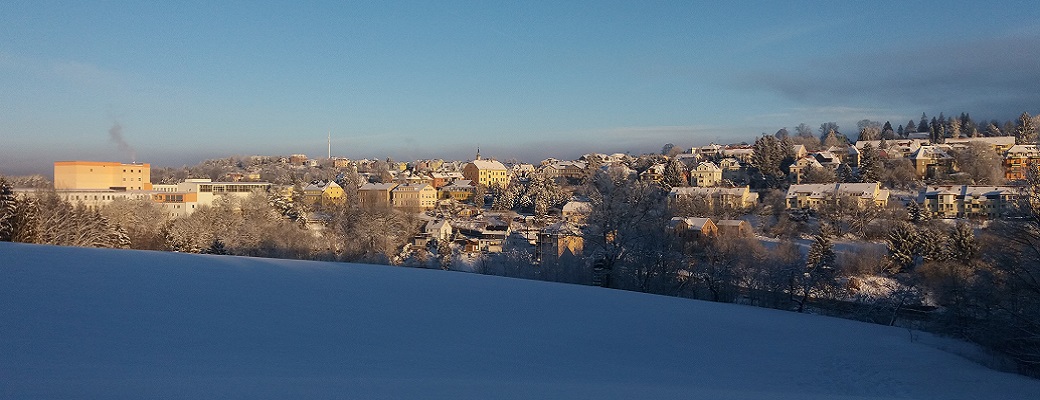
(101, 324)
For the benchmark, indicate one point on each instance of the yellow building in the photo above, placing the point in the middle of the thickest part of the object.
(813, 195)
(738, 197)
(327, 194)
(706, 174)
(101, 175)
(976, 202)
(486, 172)
(461, 191)
(414, 198)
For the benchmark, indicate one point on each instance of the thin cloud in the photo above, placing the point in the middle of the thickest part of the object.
(983, 76)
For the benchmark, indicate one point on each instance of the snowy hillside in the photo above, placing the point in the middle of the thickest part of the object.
(91, 323)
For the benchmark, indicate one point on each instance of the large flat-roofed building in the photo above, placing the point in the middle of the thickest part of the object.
(101, 175)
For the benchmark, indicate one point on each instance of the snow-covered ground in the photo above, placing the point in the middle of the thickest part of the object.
(101, 324)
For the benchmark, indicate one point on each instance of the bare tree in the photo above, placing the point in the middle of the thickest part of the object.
(981, 163)
(627, 216)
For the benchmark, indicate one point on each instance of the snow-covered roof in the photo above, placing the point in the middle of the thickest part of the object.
(707, 166)
(930, 152)
(378, 186)
(483, 164)
(575, 206)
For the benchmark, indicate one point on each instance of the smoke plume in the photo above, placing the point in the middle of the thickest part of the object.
(115, 134)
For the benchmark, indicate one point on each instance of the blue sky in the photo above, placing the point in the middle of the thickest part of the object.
(526, 80)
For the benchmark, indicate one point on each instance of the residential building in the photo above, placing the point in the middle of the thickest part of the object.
(558, 241)
(1017, 160)
(801, 166)
(298, 159)
(931, 161)
(414, 198)
(442, 179)
(977, 202)
(576, 212)
(570, 170)
(653, 174)
(706, 174)
(738, 197)
(813, 195)
(742, 153)
(327, 193)
(376, 194)
(692, 228)
(461, 190)
(732, 170)
(734, 228)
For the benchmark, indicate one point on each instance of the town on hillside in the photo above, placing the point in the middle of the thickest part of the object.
(927, 225)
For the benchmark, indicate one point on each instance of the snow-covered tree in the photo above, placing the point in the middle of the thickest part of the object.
(869, 130)
(627, 218)
(915, 213)
(769, 155)
(870, 166)
(675, 173)
(845, 174)
(820, 270)
(27, 221)
(887, 132)
(903, 243)
(963, 246)
(981, 163)
(1025, 130)
(8, 209)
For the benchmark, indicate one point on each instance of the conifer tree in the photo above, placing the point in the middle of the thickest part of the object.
(845, 174)
(887, 132)
(216, 247)
(27, 221)
(674, 173)
(870, 167)
(903, 243)
(820, 269)
(1025, 131)
(963, 246)
(915, 214)
(8, 209)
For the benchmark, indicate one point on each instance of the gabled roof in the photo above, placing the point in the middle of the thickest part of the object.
(708, 165)
(929, 152)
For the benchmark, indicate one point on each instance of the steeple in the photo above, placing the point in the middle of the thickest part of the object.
(478, 153)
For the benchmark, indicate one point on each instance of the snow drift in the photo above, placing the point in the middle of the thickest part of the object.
(92, 323)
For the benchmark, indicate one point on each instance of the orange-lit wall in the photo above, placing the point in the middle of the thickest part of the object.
(101, 175)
